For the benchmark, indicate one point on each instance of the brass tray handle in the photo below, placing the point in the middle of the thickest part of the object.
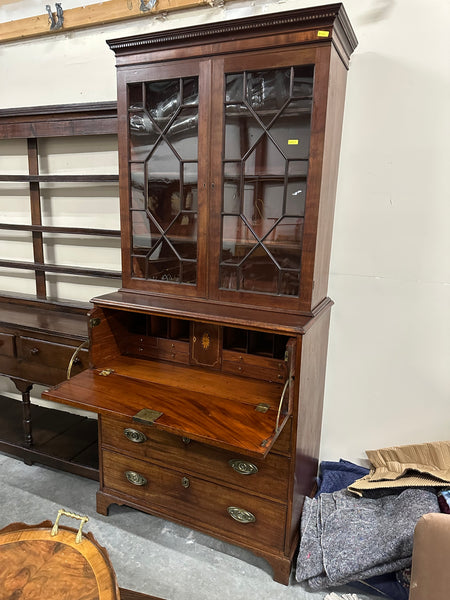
(283, 394)
(74, 356)
(83, 520)
(241, 515)
(135, 478)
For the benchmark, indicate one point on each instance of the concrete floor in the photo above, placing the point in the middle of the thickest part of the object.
(149, 555)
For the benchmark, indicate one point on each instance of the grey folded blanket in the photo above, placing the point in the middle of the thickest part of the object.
(346, 538)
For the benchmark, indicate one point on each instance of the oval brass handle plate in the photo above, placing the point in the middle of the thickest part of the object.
(241, 515)
(134, 435)
(135, 478)
(243, 467)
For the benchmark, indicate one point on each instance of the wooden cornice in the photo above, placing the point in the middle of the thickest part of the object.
(331, 16)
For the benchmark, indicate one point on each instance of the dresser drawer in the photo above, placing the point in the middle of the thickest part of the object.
(7, 345)
(268, 476)
(51, 354)
(194, 501)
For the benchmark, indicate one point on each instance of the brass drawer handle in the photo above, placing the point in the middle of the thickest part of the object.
(34, 351)
(243, 467)
(185, 482)
(134, 435)
(135, 478)
(241, 515)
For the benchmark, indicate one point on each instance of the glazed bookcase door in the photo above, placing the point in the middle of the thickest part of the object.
(261, 206)
(163, 203)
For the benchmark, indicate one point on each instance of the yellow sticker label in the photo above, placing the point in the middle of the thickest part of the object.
(322, 33)
(292, 142)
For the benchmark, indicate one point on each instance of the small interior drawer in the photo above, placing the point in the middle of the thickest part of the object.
(7, 345)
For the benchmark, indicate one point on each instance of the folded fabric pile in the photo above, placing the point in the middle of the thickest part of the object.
(346, 538)
(416, 465)
(363, 535)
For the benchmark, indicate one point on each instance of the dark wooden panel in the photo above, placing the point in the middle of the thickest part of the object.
(73, 440)
(50, 432)
(66, 120)
(46, 318)
(7, 344)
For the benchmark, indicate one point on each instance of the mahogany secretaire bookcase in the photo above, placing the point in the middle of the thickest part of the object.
(207, 367)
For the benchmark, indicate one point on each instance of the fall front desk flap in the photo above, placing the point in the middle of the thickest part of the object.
(227, 411)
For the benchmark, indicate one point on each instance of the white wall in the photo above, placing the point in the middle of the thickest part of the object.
(388, 371)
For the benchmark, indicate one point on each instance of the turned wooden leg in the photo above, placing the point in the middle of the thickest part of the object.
(24, 388)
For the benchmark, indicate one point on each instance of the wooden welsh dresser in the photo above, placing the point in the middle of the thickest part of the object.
(207, 366)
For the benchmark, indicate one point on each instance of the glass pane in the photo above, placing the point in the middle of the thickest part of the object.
(135, 100)
(242, 132)
(163, 123)
(231, 196)
(259, 274)
(183, 134)
(190, 91)
(237, 240)
(137, 186)
(142, 237)
(190, 192)
(162, 100)
(265, 159)
(295, 197)
(266, 152)
(183, 235)
(143, 135)
(291, 134)
(234, 84)
(287, 235)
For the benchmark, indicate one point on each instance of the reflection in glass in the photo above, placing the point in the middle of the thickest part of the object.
(266, 152)
(163, 125)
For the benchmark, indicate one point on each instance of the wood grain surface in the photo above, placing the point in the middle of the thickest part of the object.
(36, 565)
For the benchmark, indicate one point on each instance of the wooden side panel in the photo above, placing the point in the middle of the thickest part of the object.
(332, 145)
(104, 331)
(309, 419)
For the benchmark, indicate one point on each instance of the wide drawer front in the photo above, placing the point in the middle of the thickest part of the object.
(268, 476)
(218, 509)
(57, 356)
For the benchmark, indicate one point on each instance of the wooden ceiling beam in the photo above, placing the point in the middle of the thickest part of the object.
(101, 13)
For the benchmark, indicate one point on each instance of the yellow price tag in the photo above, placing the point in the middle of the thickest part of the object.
(292, 142)
(322, 33)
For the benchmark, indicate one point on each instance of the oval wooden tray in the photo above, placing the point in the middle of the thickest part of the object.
(37, 563)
